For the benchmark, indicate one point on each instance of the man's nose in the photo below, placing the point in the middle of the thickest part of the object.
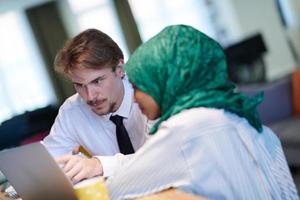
(90, 93)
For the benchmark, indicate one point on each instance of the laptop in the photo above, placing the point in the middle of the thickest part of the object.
(34, 174)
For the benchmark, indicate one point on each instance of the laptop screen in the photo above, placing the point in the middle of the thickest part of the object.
(34, 174)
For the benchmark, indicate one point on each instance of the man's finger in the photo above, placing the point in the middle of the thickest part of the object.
(74, 160)
(79, 176)
(63, 159)
(73, 171)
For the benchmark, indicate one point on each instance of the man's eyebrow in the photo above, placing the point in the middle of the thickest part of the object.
(99, 77)
(74, 82)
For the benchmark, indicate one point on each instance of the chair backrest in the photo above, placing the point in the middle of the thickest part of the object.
(277, 103)
(35, 138)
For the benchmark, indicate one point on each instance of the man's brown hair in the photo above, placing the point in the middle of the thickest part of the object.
(90, 49)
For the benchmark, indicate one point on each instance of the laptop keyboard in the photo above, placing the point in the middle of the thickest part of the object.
(3, 197)
(9, 195)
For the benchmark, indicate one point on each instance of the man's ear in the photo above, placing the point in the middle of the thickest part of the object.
(121, 62)
(120, 71)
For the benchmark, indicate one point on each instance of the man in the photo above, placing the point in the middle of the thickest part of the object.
(94, 64)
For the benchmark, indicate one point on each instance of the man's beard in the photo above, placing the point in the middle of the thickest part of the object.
(111, 108)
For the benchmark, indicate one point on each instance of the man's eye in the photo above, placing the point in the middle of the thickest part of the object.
(78, 85)
(98, 82)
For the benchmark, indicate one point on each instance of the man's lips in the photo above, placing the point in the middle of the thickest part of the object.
(97, 103)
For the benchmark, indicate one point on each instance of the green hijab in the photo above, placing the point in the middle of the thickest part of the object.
(182, 68)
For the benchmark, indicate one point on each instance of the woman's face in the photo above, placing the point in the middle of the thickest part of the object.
(147, 104)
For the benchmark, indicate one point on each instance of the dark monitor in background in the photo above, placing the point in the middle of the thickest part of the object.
(20, 128)
(245, 60)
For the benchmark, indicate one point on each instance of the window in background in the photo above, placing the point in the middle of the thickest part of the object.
(99, 14)
(287, 15)
(152, 16)
(24, 85)
(287, 12)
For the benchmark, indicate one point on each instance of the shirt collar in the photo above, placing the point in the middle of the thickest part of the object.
(125, 107)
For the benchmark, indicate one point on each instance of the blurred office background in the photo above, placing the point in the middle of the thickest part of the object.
(260, 37)
(32, 31)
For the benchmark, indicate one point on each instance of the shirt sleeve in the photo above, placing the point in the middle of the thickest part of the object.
(111, 164)
(60, 141)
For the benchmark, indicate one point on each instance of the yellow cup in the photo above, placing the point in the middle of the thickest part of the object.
(91, 189)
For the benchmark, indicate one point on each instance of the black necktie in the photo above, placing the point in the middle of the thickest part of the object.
(123, 139)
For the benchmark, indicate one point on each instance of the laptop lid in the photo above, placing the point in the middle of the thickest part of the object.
(34, 174)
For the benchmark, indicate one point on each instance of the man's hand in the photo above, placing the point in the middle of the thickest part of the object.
(77, 167)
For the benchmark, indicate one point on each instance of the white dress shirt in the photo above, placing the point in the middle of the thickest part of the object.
(211, 153)
(77, 125)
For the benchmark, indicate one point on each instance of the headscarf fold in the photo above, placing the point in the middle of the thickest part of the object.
(182, 68)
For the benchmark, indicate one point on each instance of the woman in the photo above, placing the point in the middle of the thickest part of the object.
(208, 140)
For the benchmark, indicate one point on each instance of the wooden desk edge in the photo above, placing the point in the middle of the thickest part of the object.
(171, 194)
